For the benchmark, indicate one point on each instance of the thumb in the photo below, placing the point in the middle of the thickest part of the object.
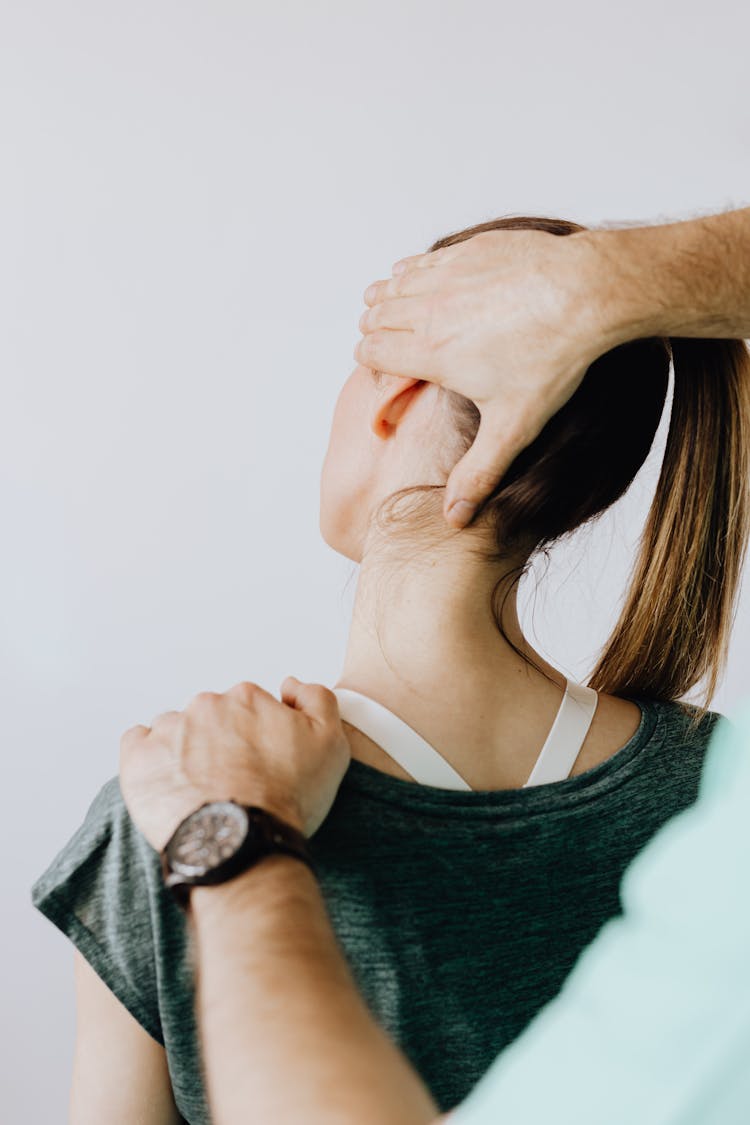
(315, 700)
(482, 467)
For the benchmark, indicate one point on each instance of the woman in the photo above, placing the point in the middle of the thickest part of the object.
(462, 901)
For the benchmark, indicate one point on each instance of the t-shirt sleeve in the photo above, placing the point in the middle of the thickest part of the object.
(99, 890)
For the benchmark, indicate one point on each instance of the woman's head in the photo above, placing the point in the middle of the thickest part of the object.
(395, 440)
(391, 433)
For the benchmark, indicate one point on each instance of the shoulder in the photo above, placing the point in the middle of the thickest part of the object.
(104, 891)
(679, 740)
(107, 839)
(683, 725)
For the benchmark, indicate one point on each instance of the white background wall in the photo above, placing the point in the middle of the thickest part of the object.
(193, 196)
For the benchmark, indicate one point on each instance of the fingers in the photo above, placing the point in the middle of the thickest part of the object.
(396, 352)
(378, 291)
(412, 262)
(404, 313)
(410, 284)
(483, 466)
(251, 695)
(412, 275)
(317, 701)
(389, 290)
(132, 746)
(167, 718)
(134, 736)
(423, 261)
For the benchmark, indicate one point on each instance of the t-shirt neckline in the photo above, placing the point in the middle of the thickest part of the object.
(373, 784)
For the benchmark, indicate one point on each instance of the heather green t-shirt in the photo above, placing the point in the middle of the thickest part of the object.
(461, 913)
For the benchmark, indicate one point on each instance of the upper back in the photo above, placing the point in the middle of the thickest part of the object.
(462, 913)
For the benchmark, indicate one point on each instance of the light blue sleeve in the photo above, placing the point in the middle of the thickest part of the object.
(653, 1024)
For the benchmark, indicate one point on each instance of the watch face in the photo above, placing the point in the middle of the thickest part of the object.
(208, 838)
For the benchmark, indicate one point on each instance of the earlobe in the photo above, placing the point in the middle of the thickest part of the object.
(397, 392)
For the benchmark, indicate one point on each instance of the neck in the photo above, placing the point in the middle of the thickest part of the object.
(424, 643)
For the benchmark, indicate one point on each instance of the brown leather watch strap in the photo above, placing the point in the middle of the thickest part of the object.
(279, 836)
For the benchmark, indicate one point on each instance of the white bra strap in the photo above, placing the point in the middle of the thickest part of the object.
(568, 733)
(400, 741)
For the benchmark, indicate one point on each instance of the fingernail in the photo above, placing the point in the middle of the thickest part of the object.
(370, 293)
(460, 513)
(363, 320)
(399, 267)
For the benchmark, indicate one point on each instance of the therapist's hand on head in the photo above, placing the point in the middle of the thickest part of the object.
(285, 756)
(511, 319)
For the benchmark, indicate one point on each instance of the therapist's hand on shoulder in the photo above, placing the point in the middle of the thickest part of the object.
(287, 756)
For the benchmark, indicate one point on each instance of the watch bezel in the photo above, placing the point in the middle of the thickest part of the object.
(192, 871)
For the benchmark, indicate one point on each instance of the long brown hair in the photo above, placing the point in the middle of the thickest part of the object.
(674, 627)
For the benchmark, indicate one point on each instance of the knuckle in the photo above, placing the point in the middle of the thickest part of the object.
(245, 691)
(324, 694)
(523, 428)
(128, 737)
(378, 316)
(370, 319)
(204, 700)
(132, 738)
(520, 436)
(365, 351)
(480, 480)
(328, 704)
(166, 719)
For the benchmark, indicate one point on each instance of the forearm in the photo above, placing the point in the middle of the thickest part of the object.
(681, 279)
(285, 1034)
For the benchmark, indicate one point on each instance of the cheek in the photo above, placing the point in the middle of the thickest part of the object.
(346, 473)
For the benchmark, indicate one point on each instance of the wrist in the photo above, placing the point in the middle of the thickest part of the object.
(271, 800)
(624, 299)
(286, 810)
(603, 301)
(274, 881)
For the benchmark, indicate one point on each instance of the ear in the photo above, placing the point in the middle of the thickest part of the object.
(396, 394)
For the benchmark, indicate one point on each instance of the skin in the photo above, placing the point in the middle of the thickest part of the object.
(119, 1072)
(389, 433)
(512, 319)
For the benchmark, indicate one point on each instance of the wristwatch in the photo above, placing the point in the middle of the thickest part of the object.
(221, 839)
